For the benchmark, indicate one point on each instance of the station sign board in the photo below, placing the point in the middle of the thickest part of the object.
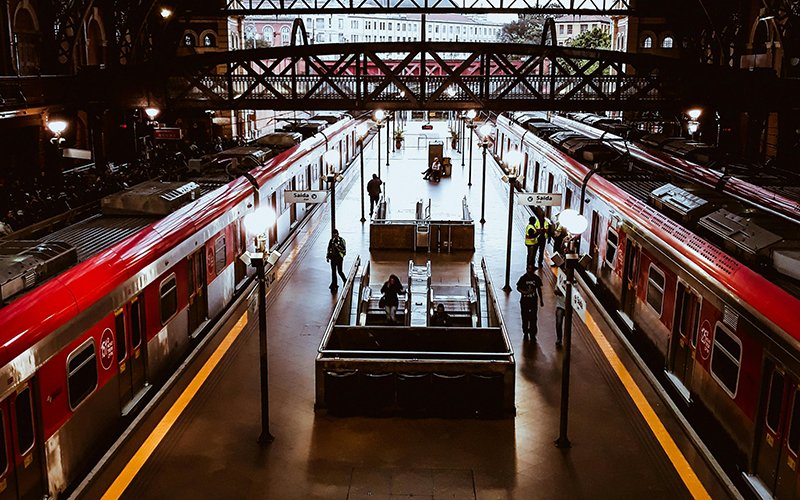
(305, 196)
(168, 134)
(540, 199)
(578, 300)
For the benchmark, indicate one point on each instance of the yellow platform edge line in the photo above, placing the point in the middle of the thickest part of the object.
(685, 471)
(168, 420)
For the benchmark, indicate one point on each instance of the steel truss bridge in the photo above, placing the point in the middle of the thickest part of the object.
(458, 76)
(289, 7)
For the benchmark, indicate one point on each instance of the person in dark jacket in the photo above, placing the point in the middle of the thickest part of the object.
(337, 249)
(374, 191)
(390, 290)
(440, 316)
(529, 286)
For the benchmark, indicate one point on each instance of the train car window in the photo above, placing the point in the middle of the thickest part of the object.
(136, 323)
(219, 254)
(169, 298)
(81, 373)
(119, 324)
(568, 199)
(655, 289)
(612, 243)
(3, 448)
(726, 358)
(537, 169)
(24, 413)
(775, 402)
(793, 441)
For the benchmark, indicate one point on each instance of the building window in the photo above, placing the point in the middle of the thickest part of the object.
(320, 37)
(189, 40)
(210, 40)
(320, 24)
(647, 42)
(655, 288)
(382, 26)
(354, 24)
(726, 359)
(390, 38)
(269, 36)
(569, 29)
(341, 23)
(612, 242)
(285, 34)
(667, 42)
(169, 298)
(403, 26)
(81, 373)
(390, 26)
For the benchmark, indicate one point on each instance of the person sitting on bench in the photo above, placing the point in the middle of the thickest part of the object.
(434, 167)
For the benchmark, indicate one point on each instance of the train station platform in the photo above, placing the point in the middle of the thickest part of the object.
(200, 440)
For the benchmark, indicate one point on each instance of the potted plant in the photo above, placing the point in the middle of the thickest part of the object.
(398, 138)
(453, 138)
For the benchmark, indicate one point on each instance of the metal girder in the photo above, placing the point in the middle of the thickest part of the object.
(458, 76)
(283, 7)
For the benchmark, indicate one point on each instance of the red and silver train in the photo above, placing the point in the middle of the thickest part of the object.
(79, 347)
(708, 287)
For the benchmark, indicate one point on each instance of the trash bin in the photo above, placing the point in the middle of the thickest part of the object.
(447, 166)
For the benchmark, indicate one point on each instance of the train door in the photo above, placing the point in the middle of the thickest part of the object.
(23, 478)
(293, 206)
(594, 243)
(130, 354)
(239, 246)
(536, 171)
(630, 277)
(196, 276)
(550, 183)
(684, 337)
(788, 482)
(773, 425)
(525, 172)
(273, 231)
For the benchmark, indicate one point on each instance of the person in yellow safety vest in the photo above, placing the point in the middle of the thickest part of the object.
(531, 239)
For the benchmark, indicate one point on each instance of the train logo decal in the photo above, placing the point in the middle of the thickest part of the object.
(704, 344)
(106, 349)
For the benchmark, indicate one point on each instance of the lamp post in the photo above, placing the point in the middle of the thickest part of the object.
(486, 132)
(57, 127)
(514, 160)
(471, 114)
(693, 125)
(461, 137)
(575, 224)
(331, 158)
(257, 223)
(362, 131)
(379, 116)
(388, 140)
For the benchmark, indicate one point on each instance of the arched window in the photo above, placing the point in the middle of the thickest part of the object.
(209, 40)
(269, 34)
(29, 41)
(667, 42)
(285, 35)
(647, 42)
(189, 39)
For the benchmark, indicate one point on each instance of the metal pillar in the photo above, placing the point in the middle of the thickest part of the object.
(563, 440)
(511, 181)
(471, 126)
(362, 179)
(388, 140)
(265, 437)
(484, 145)
(378, 147)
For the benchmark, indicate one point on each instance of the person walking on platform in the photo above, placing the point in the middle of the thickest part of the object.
(530, 287)
(440, 316)
(390, 290)
(560, 310)
(558, 238)
(337, 249)
(374, 191)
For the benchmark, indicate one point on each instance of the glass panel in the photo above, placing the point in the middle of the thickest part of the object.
(81, 374)
(24, 411)
(122, 351)
(793, 442)
(219, 254)
(724, 363)
(169, 299)
(775, 401)
(136, 324)
(3, 447)
(655, 289)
